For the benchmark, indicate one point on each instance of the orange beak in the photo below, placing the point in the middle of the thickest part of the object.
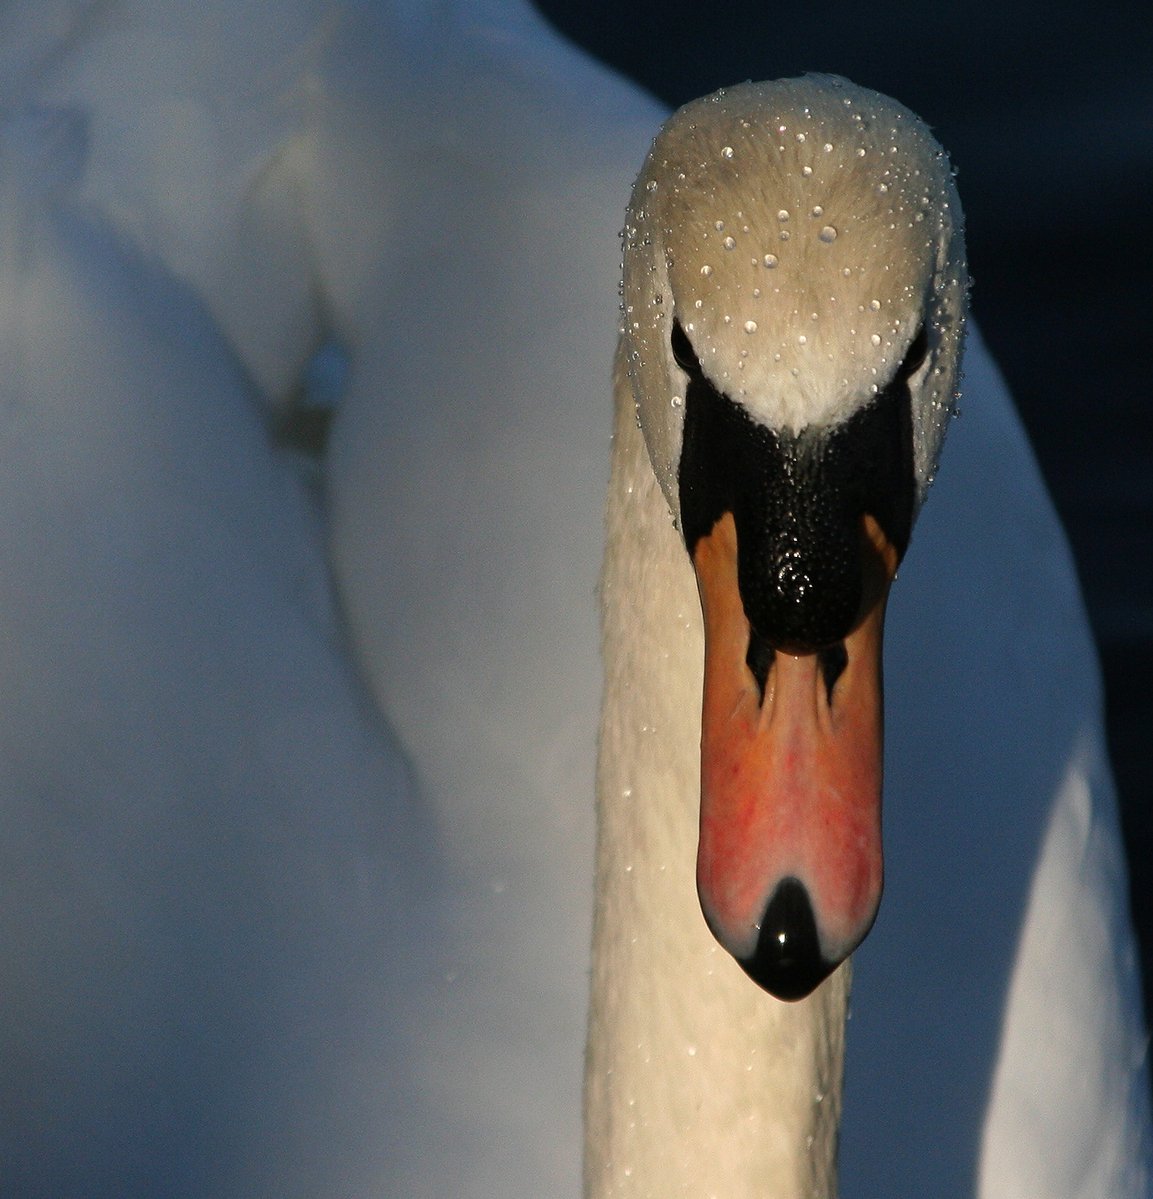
(789, 864)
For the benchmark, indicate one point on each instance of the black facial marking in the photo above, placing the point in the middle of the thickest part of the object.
(797, 501)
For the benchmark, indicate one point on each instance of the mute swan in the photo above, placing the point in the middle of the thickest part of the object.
(793, 264)
(243, 952)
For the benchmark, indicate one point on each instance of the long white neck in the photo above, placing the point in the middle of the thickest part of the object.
(697, 1082)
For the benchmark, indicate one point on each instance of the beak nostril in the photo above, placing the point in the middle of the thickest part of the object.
(758, 659)
(833, 660)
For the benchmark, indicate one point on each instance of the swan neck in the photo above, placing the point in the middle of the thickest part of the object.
(697, 1082)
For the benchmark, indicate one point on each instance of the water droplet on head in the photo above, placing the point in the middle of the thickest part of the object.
(876, 339)
(783, 214)
(729, 243)
(802, 340)
(726, 151)
(678, 401)
(818, 210)
(651, 186)
(706, 270)
(828, 234)
(718, 225)
(750, 326)
(806, 171)
(875, 305)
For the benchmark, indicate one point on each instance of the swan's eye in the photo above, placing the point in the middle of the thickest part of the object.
(683, 350)
(916, 355)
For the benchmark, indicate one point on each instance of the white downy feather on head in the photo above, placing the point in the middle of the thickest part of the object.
(802, 232)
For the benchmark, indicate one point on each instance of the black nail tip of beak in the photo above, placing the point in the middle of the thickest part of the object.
(788, 962)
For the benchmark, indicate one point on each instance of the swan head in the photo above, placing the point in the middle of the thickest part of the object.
(794, 299)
